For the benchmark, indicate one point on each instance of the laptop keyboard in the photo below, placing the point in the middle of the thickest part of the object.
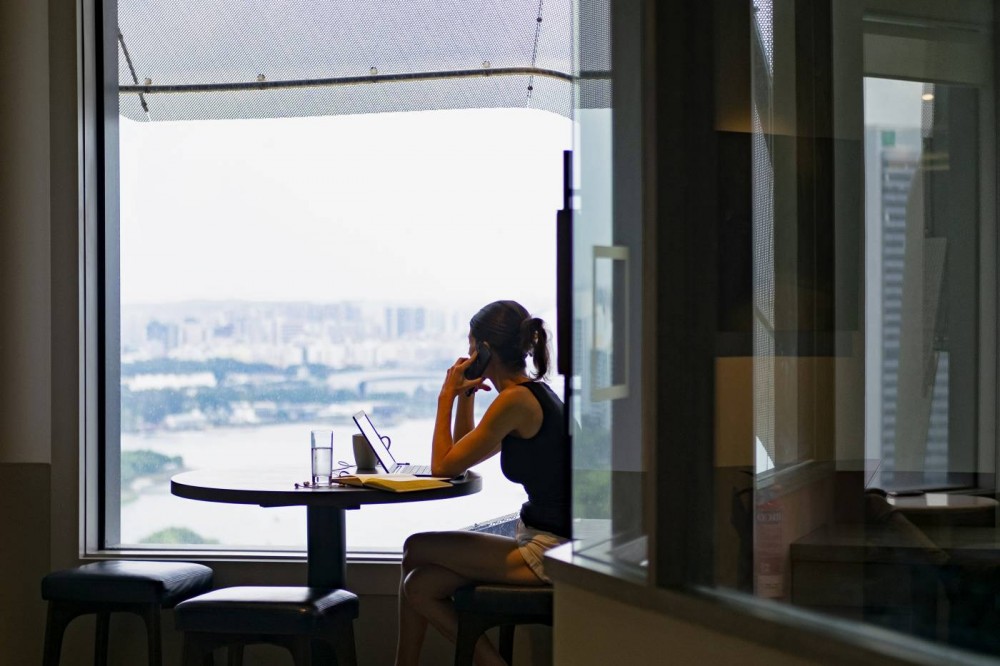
(416, 470)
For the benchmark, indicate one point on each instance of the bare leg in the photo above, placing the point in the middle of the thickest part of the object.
(434, 566)
(412, 628)
(430, 588)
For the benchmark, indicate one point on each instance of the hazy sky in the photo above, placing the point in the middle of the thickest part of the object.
(436, 207)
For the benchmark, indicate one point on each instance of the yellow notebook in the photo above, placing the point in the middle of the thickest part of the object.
(394, 483)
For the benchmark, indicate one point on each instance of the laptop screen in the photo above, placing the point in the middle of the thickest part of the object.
(378, 446)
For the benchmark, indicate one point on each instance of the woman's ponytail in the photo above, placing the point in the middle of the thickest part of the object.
(535, 341)
(512, 334)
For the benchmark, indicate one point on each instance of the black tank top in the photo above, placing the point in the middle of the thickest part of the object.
(541, 465)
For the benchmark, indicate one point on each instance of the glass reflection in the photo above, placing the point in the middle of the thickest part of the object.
(856, 444)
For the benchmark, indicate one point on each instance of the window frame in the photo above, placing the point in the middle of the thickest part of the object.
(99, 148)
(101, 310)
(101, 462)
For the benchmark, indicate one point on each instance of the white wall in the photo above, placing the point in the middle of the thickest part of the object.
(24, 233)
(25, 405)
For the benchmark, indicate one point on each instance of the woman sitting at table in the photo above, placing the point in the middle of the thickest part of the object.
(525, 425)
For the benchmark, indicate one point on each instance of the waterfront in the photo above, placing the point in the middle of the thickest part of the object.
(372, 528)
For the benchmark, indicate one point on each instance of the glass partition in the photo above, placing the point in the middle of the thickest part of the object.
(835, 229)
(855, 432)
(606, 401)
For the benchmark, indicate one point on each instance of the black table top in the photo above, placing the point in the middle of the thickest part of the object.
(276, 487)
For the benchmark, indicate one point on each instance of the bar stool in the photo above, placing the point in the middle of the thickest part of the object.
(481, 607)
(292, 617)
(112, 586)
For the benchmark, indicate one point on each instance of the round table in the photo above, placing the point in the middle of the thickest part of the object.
(326, 536)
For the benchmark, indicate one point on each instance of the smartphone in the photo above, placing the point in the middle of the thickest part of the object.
(476, 369)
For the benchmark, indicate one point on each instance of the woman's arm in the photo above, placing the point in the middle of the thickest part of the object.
(452, 454)
(455, 385)
(464, 422)
(443, 440)
(510, 411)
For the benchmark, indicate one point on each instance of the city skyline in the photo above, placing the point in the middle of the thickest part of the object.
(283, 334)
(153, 331)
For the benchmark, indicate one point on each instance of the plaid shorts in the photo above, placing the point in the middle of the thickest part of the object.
(533, 543)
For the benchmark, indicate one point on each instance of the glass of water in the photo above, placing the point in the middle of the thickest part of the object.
(322, 456)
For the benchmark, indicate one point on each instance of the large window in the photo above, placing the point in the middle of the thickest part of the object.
(276, 265)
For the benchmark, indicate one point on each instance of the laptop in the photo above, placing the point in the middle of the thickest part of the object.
(385, 459)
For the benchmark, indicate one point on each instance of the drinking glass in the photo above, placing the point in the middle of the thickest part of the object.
(322, 456)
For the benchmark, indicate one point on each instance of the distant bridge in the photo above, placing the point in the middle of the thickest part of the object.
(401, 383)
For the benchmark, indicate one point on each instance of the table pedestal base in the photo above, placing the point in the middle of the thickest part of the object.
(327, 547)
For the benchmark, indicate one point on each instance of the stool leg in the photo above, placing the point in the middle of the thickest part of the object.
(234, 654)
(59, 616)
(469, 630)
(507, 643)
(301, 649)
(154, 647)
(344, 645)
(101, 638)
(191, 656)
(197, 650)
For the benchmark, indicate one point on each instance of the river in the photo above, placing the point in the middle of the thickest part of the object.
(371, 528)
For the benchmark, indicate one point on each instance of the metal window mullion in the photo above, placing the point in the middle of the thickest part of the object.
(106, 308)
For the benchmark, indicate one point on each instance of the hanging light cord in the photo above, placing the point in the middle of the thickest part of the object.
(534, 51)
(135, 79)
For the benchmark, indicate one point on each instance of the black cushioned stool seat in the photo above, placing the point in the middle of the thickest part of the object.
(481, 607)
(102, 588)
(292, 617)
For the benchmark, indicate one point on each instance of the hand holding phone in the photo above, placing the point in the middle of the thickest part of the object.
(476, 369)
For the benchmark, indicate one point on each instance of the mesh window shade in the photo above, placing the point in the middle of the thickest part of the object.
(764, 287)
(594, 37)
(255, 59)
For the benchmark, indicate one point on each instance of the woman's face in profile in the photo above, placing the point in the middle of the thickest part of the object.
(472, 345)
